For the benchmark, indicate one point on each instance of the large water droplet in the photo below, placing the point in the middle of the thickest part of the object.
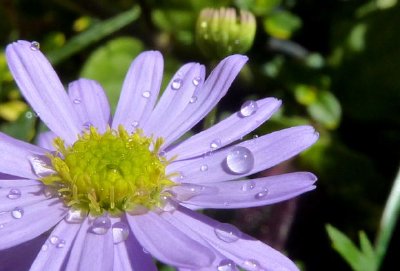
(262, 194)
(101, 225)
(215, 144)
(146, 94)
(186, 191)
(226, 265)
(252, 265)
(193, 99)
(40, 167)
(77, 101)
(17, 213)
(248, 186)
(35, 46)
(14, 193)
(176, 84)
(240, 160)
(196, 81)
(227, 232)
(120, 232)
(203, 168)
(248, 108)
(75, 216)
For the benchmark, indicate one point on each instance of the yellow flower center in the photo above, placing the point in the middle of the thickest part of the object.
(112, 172)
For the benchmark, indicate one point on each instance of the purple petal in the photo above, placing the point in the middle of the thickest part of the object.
(235, 245)
(129, 255)
(45, 140)
(38, 218)
(267, 151)
(215, 87)
(167, 243)
(20, 196)
(90, 102)
(255, 192)
(56, 249)
(91, 251)
(139, 91)
(14, 157)
(228, 130)
(43, 90)
(176, 97)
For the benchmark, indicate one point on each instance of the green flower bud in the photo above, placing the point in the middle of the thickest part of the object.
(222, 32)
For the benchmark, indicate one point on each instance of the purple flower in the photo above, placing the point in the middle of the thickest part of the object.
(116, 191)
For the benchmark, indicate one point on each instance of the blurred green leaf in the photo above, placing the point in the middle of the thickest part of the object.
(305, 94)
(22, 128)
(281, 24)
(258, 7)
(109, 64)
(94, 34)
(326, 109)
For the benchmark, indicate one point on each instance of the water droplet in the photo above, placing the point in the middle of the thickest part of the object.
(135, 124)
(49, 192)
(77, 101)
(248, 186)
(216, 143)
(37, 114)
(101, 225)
(17, 213)
(60, 244)
(54, 240)
(1, 226)
(35, 46)
(248, 108)
(196, 81)
(226, 265)
(227, 232)
(45, 247)
(14, 193)
(146, 94)
(75, 216)
(193, 100)
(203, 168)
(240, 160)
(120, 232)
(145, 251)
(176, 84)
(255, 136)
(168, 205)
(39, 166)
(251, 265)
(262, 194)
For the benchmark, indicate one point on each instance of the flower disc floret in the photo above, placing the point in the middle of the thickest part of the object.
(111, 172)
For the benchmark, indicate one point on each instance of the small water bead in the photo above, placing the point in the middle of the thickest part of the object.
(39, 166)
(216, 143)
(17, 213)
(14, 193)
(75, 216)
(248, 108)
(61, 244)
(135, 124)
(54, 240)
(227, 232)
(252, 265)
(196, 81)
(193, 100)
(262, 194)
(203, 168)
(77, 101)
(101, 225)
(176, 84)
(35, 46)
(120, 232)
(226, 265)
(248, 186)
(240, 160)
(146, 94)
(45, 247)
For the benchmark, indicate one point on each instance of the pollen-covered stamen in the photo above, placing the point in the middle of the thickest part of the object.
(111, 172)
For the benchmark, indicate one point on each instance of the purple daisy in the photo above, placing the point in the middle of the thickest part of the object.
(113, 192)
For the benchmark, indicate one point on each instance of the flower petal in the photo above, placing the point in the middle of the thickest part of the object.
(90, 102)
(139, 91)
(229, 130)
(255, 192)
(14, 157)
(45, 140)
(176, 248)
(267, 151)
(43, 90)
(242, 249)
(176, 97)
(215, 87)
(38, 218)
(56, 249)
(28, 195)
(129, 255)
(91, 251)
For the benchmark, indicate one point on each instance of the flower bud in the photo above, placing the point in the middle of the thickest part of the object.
(222, 32)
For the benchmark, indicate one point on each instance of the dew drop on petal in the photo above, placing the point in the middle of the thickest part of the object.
(262, 194)
(60, 244)
(135, 124)
(176, 84)
(39, 166)
(14, 193)
(248, 186)
(17, 213)
(227, 232)
(75, 216)
(252, 265)
(226, 265)
(54, 240)
(203, 168)
(45, 247)
(196, 81)
(101, 225)
(248, 108)
(77, 101)
(35, 46)
(193, 99)
(240, 160)
(215, 144)
(120, 232)
(146, 94)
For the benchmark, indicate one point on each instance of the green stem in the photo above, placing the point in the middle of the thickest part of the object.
(388, 222)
